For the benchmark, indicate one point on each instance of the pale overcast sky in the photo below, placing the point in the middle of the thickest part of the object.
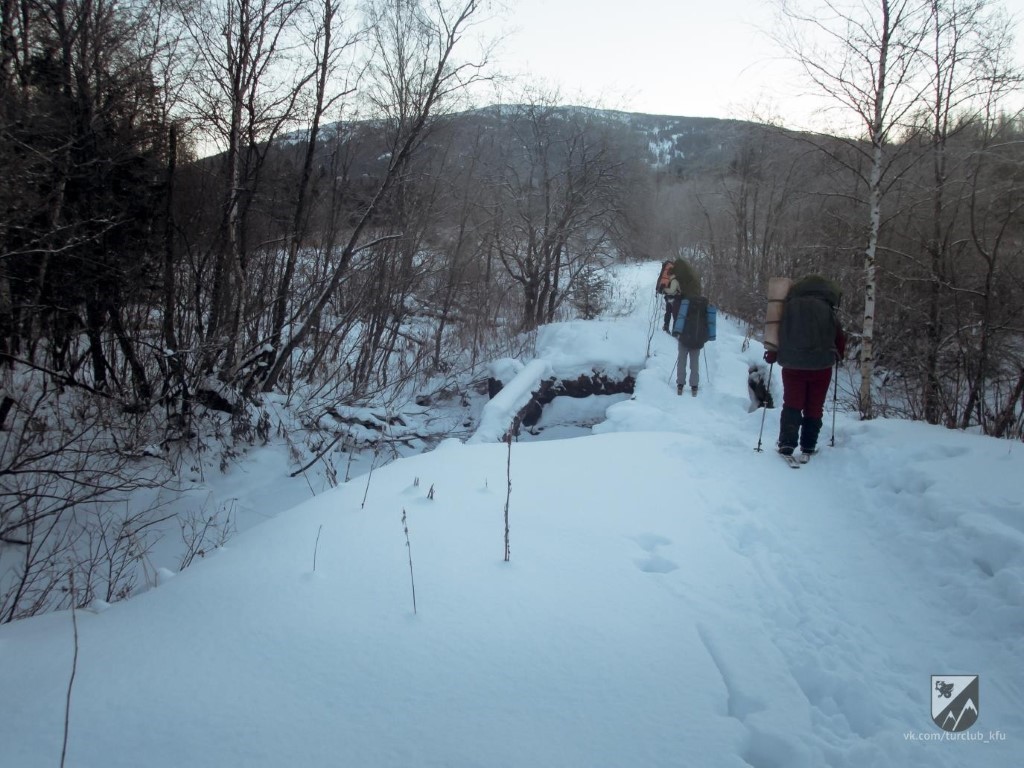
(699, 58)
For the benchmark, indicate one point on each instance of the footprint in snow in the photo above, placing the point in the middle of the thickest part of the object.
(656, 564)
(653, 562)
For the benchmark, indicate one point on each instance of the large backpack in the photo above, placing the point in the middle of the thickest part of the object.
(807, 333)
(665, 277)
(695, 325)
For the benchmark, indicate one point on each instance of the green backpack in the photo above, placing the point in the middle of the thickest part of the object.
(687, 277)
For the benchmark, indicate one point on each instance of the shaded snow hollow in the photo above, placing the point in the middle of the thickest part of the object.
(673, 599)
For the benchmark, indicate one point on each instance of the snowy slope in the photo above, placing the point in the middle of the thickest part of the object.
(673, 598)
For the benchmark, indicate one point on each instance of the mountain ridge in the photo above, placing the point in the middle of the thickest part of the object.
(677, 145)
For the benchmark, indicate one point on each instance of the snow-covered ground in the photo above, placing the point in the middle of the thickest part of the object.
(673, 598)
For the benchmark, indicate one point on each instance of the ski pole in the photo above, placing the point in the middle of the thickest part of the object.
(707, 370)
(764, 408)
(835, 398)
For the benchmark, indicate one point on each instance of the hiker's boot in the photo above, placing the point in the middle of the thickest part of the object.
(789, 429)
(809, 431)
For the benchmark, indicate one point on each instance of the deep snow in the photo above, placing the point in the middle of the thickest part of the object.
(673, 598)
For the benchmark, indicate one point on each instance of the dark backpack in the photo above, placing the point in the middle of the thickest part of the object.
(807, 333)
(695, 332)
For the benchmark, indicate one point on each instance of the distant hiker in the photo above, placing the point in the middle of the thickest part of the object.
(693, 328)
(811, 341)
(668, 287)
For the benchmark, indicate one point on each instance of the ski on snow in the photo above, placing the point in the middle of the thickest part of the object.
(796, 462)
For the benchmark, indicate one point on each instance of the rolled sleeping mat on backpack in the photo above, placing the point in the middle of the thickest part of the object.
(778, 290)
(684, 307)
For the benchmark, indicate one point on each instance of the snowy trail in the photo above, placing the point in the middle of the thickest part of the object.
(818, 548)
(784, 526)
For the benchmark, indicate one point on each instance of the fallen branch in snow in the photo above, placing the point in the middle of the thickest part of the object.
(318, 456)
(63, 378)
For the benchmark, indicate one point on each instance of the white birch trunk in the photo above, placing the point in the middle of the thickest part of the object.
(867, 353)
(878, 130)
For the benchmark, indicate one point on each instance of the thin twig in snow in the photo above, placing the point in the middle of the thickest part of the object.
(408, 546)
(71, 681)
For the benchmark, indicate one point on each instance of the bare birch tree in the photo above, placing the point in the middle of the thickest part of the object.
(864, 57)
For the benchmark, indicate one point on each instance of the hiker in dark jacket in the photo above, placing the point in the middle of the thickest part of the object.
(811, 341)
(693, 327)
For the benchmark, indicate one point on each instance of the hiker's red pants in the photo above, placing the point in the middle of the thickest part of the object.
(806, 390)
